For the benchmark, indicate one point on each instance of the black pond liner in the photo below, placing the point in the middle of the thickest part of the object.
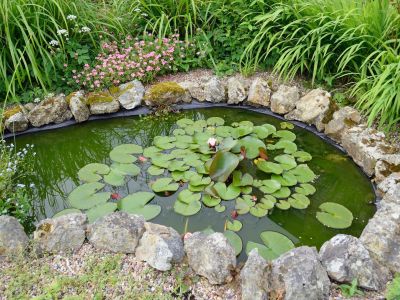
(143, 110)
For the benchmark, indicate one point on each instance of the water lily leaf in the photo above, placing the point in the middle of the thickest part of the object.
(201, 169)
(270, 186)
(164, 185)
(114, 178)
(178, 176)
(220, 208)
(258, 211)
(277, 243)
(244, 204)
(187, 209)
(302, 156)
(227, 193)
(334, 215)
(227, 144)
(85, 196)
(242, 180)
(305, 189)
(123, 153)
(223, 164)
(299, 201)
(236, 225)
(210, 201)
(177, 165)
(283, 192)
(215, 121)
(161, 161)
(184, 139)
(200, 124)
(164, 142)
(241, 131)
(201, 138)
(283, 204)
(184, 122)
(271, 128)
(192, 160)
(198, 188)
(287, 146)
(125, 169)
(285, 135)
(223, 131)
(208, 230)
(246, 123)
(187, 196)
(197, 180)
(66, 212)
(136, 203)
(100, 211)
(268, 167)
(261, 132)
(268, 201)
(262, 250)
(257, 183)
(92, 172)
(235, 240)
(246, 189)
(303, 173)
(154, 171)
(178, 131)
(286, 125)
(149, 152)
(285, 179)
(252, 146)
(287, 161)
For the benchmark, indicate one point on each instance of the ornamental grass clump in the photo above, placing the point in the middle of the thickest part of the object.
(128, 60)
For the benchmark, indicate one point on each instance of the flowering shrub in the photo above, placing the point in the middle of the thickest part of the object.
(130, 59)
(15, 197)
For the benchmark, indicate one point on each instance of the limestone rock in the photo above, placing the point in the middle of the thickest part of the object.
(299, 275)
(381, 236)
(259, 93)
(236, 90)
(254, 277)
(211, 256)
(118, 232)
(312, 108)
(99, 108)
(13, 238)
(62, 234)
(387, 165)
(389, 188)
(130, 94)
(345, 258)
(52, 110)
(29, 106)
(284, 99)
(193, 90)
(160, 246)
(78, 107)
(214, 90)
(17, 122)
(164, 94)
(343, 119)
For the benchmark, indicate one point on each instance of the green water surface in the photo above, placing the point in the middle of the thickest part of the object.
(62, 152)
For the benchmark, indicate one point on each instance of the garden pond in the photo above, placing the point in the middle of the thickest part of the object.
(245, 189)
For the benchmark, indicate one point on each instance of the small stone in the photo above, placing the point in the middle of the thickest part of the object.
(130, 94)
(342, 120)
(214, 90)
(259, 93)
(63, 234)
(284, 99)
(52, 110)
(299, 275)
(118, 232)
(236, 91)
(164, 94)
(160, 246)
(17, 122)
(211, 256)
(99, 108)
(254, 277)
(13, 238)
(78, 107)
(345, 259)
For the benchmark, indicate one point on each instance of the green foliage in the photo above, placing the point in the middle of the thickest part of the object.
(393, 289)
(351, 290)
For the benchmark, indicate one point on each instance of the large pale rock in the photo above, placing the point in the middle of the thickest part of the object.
(299, 275)
(62, 234)
(381, 236)
(390, 186)
(284, 99)
(259, 93)
(130, 94)
(17, 122)
(160, 246)
(78, 107)
(313, 108)
(164, 94)
(211, 256)
(254, 277)
(13, 238)
(345, 258)
(100, 108)
(387, 165)
(118, 232)
(342, 120)
(214, 90)
(194, 90)
(52, 110)
(236, 90)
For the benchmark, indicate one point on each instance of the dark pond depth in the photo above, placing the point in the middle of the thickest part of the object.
(61, 153)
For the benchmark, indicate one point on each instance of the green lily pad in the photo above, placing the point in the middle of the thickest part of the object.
(137, 204)
(252, 146)
(114, 178)
(242, 180)
(223, 131)
(243, 204)
(285, 135)
(241, 131)
(164, 142)
(187, 196)
(287, 161)
(92, 172)
(235, 240)
(100, 211)
(299, 201)
(215, 121)
(271, 128)
(261, 132)
(236, 225)
(227, 144)
(210, 201)
(283, 192)
(177, 165)
(85, 196)
(220, 208)
(123, 153)
(285, 179)
(67, 211)
(268, 201)
(334, 215)
(178, 131)
(164, 185)
(154, 171)
(187, 209)
(283, 204)
(305, 189)
(258, 211)
(227, 193)
(287, 146)
(151, 151)
(268, 167)
(302, 156)
(270, 186)
(184, 122)
(303, 173)
(198, 180)
(275, 244)
(125, 169)
(223, 164)
(246, 190)
(286, 125)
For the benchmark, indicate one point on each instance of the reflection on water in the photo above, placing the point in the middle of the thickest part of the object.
(61, 153)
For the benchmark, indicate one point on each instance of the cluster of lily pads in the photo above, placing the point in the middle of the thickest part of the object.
(208, 160)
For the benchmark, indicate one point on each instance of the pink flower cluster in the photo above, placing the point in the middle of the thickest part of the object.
(128, 60)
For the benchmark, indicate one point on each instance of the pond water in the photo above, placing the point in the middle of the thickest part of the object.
(62, 152)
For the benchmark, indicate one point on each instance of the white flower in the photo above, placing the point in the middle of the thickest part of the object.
(20, 185)
(85, 29)
(144, 15)
(32, 185)
(212, 142)
(137, 9)
(53, 43)
(71, 17)
(63, 32)
(36, 100)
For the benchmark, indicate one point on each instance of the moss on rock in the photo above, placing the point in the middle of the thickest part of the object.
(9, 112)
(99, 97)
(164, 93)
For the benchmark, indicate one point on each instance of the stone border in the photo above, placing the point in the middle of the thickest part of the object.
(372, 258)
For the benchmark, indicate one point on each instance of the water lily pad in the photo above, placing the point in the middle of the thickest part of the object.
(215, 121)
(246, 190)
(178, 131)
(92, 172)
(184, 122)
(286, 125)
(276, 244)
(227, 193)
(243, 204)
(149, 152)
(268, 167)
(67, 211)
(283, 192)
(210, 201)
(334, 215)
(287, 161)
(100, 211)
(85, 196)
(241, 131)
(287, 146)
(223, 164)
(283, 204)
(299, 201)
(154, 171)
(303, 173)
(137, 204)
(268, 201)
(252, 146)
(285, 179)
(223, 131)
(197, 180)
(258, 211)
(285, 135)
(164, 142)
(261, 132)
(164, 185)
(270, 186)
(123, 153)
(178, 165)
(227, 144)
(271, 128)
(305, 189)
(235, 240)
(187, 209)
(235, 225)
(162, 160)
(242, 180)
(187, 196)
(220, 208)
(114, 178)
(302, 156)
